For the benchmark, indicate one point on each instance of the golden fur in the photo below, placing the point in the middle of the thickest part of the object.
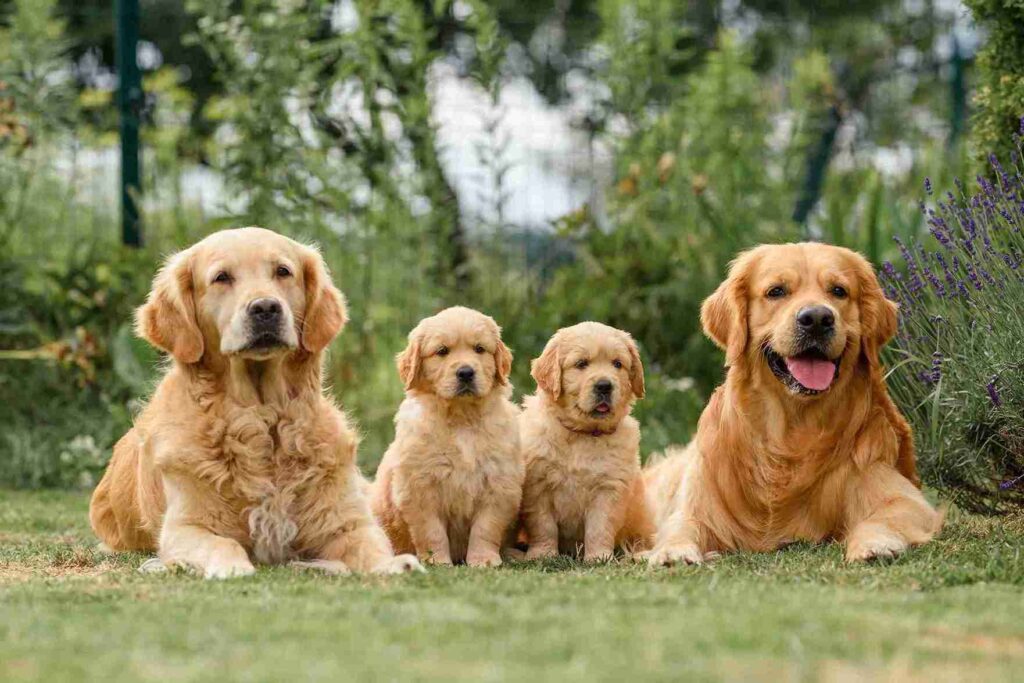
(770, 465)
(239, 456)
(449, 486)
(583, 485)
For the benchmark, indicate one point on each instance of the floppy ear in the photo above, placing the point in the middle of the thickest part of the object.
(547, 370)
(724, 317)
(408, 361)
(325, 305)
(502, 362)
(168, 318)
(879, 317)
(636, 367)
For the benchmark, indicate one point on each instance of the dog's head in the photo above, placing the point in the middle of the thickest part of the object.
(592, 372)
(806, 314)
(456, 354)
(247, 292)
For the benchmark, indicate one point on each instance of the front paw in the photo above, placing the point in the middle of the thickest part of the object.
(598, 556)
(668, 555)
(153, 565)
(541, 552)
(436, 559)
(880, 546)
(228, 569)
(400, 564)
(488, 558)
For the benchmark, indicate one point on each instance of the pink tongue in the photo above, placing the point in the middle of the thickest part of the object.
(812, 373)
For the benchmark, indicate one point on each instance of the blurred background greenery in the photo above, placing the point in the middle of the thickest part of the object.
(545, 162)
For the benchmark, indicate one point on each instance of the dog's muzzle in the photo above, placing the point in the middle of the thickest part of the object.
(602, 389)
(466, 377)
(265, 323)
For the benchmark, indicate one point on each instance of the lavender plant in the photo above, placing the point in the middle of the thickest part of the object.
(959, 355)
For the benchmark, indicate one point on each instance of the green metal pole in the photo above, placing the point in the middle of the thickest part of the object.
(129, 100)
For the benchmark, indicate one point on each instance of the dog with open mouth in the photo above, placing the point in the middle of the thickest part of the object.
(239, 457)
(584, 492)
(449, 486)
(802, 442)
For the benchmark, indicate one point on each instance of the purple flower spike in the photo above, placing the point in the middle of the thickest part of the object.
(936, 373)
(993, 393)
(928, 185)
(1010, 483)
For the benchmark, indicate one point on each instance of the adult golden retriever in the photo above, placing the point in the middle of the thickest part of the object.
(802, 442)
(584, 488)
(449, 486)
(239, 456)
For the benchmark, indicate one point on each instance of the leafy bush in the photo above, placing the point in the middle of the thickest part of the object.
(1000, 93)
(696, 184)
(959, 357)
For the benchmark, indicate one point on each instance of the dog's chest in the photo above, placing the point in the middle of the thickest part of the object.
(802, 501)
(270, 476)
(573, 475)
(464, 464)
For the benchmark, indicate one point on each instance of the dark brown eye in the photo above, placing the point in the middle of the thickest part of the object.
(479, 348)
(839, 292)
(776, 292)
(223, 277)
(581, 364)
(443, 351)
(617, 363)
(283, 271)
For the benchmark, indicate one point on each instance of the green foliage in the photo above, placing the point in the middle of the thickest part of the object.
(697, 182)
(323, 130)
(36, 103)
(999, 98)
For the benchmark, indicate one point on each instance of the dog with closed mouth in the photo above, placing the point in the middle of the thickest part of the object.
(448, 488)
(802, 442)
(239, 457)
(584, 494)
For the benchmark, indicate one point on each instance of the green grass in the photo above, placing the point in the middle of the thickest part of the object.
(951, 610)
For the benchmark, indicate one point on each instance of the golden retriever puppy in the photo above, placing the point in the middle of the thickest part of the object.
(239, 456)
(448, 487)
(802, 442)
(584, 490)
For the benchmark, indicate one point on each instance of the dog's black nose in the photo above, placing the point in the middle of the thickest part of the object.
(603, 386)
(265, 311)
(465, 373)
(816, 319)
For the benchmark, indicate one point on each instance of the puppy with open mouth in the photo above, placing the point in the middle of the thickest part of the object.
(584, 493)
(449, 486)
(802, 442)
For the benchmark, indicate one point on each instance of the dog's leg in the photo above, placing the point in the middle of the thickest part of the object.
(885, 514)
(217, 557)
(363, 546)
(604, 518)
(677, 542)
(486, 535)
(542, 532)
(333, 567)
(183, 542)
(429, 534)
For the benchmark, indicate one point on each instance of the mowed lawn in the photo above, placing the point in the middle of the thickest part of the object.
(953, 610)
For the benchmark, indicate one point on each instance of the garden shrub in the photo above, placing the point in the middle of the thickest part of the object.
(958, 363)
(999, 97)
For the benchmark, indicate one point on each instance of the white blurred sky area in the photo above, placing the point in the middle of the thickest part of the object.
(550, 167)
